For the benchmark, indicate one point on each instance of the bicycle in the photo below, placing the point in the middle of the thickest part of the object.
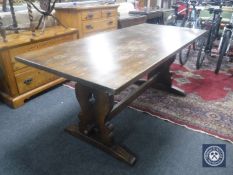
(191, 20)
(206, 45)
(172, 18)
(225, 43)
(177, 13)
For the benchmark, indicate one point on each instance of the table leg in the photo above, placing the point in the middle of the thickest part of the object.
(164, 81)
(93, 126)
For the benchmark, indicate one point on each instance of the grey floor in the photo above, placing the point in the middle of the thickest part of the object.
(32, 142)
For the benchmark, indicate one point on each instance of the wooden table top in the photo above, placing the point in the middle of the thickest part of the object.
(113, 60)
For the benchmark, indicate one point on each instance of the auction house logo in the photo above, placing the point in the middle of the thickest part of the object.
(214, 155)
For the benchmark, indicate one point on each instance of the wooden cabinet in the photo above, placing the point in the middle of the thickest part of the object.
(18, 81)
(88, 19)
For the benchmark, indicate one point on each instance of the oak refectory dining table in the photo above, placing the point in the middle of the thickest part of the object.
(105, 64)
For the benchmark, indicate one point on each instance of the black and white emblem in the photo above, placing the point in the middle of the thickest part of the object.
(214, 155)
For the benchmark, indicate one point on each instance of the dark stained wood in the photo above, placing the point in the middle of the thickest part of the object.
(121, 105)
(119, 152)
(94, 113)
(93, 128)
(113, 60)
(149, 14)
(127, 20)
(105, 64)
(164, 81)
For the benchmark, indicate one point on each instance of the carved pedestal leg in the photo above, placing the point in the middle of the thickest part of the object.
(165, 78)
(86, 116)
(103, 106)
(93, 126)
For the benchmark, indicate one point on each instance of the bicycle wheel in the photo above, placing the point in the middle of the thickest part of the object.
(211, 40)
(201, 52)
(223, 49)
(218, 23)
(184, 55)
(183, 22)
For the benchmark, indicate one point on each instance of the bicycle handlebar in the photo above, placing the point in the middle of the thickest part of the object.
(193, 2)
(175, 6)
(212, 3)
(214, 10)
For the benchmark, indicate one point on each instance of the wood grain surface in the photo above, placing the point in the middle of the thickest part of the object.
(111, 61)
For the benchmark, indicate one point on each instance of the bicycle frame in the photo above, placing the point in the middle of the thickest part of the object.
(191, 20)
(224, 31)
(213, 32)
(229, 44)
(225, 44)
(192, 16)
(206, 43)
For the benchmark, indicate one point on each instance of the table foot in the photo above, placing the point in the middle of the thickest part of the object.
(171, 89)
(115, 150)
(177, 91)
(165, 78)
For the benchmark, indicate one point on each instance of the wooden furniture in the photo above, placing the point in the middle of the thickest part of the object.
(107, 63)
(128, 20)
(88, 19)
(18, 81)
(153, 16)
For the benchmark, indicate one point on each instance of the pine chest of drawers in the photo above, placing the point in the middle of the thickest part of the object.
(18, 81)
(89, 19)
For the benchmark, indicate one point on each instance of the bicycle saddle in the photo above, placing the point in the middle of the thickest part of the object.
(193, 2)
(204, 4)
(216, 11)
(211, 10)
(229, 26)
(175, 6)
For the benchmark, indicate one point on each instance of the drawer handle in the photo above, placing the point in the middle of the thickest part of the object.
(89, 16)
(110, 22)
(89, 27)
(109, 13)
(28, 81)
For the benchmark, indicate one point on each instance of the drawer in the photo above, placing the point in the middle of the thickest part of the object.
(94, 26)
(109, 13)
(31, 78)
(35, 46)
(90, 14)
(93, 33)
